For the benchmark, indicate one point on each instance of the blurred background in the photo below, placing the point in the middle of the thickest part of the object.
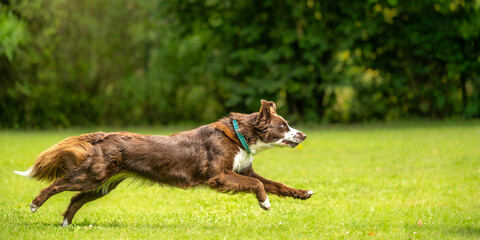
(120, 62)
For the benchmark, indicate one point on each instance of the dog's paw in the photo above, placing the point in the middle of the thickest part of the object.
(265, 205)
(33, 207)
(304, 194)
(65, 223)
(309, 194)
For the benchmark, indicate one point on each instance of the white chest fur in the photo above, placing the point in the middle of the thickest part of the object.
(241, 160)
(260, 146)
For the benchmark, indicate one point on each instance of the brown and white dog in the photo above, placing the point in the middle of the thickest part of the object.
(212, 155)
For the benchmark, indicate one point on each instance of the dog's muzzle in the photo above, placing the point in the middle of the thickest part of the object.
(293, 138)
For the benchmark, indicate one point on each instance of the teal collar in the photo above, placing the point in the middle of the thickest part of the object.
(240, 136)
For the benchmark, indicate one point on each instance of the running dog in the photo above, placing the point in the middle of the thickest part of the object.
(218, 155)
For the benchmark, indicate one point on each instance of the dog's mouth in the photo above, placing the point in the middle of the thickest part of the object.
(289, 143)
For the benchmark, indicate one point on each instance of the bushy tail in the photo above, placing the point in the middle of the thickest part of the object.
(58, 160)
(27, 173)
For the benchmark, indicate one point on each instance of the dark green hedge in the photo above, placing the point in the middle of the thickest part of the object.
(123, 62)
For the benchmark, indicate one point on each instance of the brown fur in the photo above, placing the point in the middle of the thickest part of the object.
(58, 160)
(96, 163)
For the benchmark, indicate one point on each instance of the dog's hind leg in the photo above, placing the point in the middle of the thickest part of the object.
(75, 182)
(82, 198)
(57, 186)
(84, 179)
(232, 182)
(60, 185)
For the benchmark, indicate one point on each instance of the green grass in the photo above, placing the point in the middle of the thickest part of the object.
(370, 182)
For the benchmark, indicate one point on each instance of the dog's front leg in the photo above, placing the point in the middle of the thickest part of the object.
(232, 182)
(277, 188)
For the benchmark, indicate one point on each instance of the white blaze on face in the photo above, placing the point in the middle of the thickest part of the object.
(291, 135)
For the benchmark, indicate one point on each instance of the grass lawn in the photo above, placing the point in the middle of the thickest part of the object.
(383, 181)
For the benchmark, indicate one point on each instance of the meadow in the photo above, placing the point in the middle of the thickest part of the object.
(415, 180)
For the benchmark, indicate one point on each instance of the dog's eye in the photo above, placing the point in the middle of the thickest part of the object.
(282, 126)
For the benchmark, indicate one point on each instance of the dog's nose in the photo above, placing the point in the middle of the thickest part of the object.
(302, 136)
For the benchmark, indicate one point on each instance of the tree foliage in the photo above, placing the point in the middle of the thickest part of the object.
(158, 62)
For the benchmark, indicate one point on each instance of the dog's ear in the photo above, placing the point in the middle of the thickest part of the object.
(273, 108)
(265, 113)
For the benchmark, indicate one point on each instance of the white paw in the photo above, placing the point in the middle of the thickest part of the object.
(265, 205)
(309, 193)
(65, 223)
(33, 207)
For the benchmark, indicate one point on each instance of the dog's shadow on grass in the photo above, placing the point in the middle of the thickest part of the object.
(454, 231)
(115, 225)
(109, 225)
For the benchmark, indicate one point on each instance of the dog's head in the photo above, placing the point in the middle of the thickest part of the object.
(274, 129)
